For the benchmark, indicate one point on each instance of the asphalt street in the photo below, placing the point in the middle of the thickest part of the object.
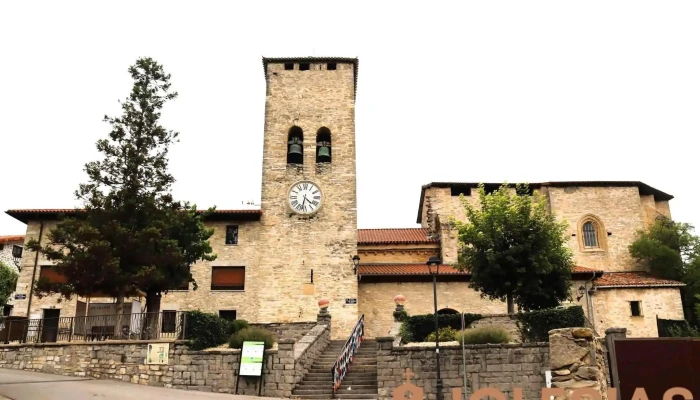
(24, 385)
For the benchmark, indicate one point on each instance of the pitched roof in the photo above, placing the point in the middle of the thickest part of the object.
(25, 215)
(422, 269)
(394, 236)
(11, 238)
(355, 61)
(633, 279)
(644, 189)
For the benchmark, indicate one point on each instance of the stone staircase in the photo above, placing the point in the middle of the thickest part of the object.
(360, 382)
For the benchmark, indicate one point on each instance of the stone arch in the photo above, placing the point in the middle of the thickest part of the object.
(295, 145)
(591, 232)
(447, 311)
(323, 141)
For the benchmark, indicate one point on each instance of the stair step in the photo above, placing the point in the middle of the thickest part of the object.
(323, 384)
(329, 391)
(348, 378)
(338, 396)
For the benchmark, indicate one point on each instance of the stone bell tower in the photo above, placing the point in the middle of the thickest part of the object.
(308, 201)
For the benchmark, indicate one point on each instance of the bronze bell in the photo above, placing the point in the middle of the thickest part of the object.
(295, 149)
(324, 154)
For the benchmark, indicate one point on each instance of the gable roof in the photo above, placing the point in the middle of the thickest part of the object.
(345, 60)
(394, 236)
(25, 215)
(644, 189)
(633, 280)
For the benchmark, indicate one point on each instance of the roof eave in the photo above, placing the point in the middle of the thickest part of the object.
(670, 285)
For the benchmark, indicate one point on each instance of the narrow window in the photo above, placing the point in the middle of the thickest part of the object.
(304, 66)
(295, 146)
(17, 251)
(323, 145)
(169, 321)
(590, 237)
(288, 66)
(636, 308)
(2, 246)
(229, 315)
(331, 66)
(456, 191)
(232, 234)
(228, 278)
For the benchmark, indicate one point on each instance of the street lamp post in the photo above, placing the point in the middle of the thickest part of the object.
(435, 261)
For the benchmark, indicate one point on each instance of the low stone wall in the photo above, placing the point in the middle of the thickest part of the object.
(577, 362)
(291, 330)
(503, 367)
(308, 348)
(506, 321)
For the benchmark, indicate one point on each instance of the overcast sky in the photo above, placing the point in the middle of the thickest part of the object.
(462, 91)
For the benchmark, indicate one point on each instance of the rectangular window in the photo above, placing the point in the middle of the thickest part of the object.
(332, 66)
(17, 251)
(636, 308)
(48, 272)
(2, 246)
(288, 66)
(228, 278)
(232, 234)
(456, 191)
(169, 321)
(304, 66)
(229, 315)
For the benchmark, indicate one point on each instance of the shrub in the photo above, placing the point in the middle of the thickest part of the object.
(205, 330)
(484, 335)
(534, 326)
(237, 325)
(417, 327)
(446, 334)
(251, 335)
(682, 331)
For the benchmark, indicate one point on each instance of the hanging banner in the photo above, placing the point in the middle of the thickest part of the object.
(252, 358)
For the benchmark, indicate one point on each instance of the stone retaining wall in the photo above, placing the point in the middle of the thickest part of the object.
(291, 330)
(503, 367)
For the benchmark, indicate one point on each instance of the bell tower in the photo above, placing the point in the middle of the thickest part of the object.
(309, 206)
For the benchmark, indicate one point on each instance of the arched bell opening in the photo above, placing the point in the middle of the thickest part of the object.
(323, 145)
(295, 146)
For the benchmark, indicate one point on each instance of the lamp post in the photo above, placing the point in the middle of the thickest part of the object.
(355, 262)
(435, 262)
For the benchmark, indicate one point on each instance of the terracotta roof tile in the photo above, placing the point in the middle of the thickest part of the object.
(404, 269)
(582, 270)
(11, 238)
(393, 236)
(633, 279)
(24, 215)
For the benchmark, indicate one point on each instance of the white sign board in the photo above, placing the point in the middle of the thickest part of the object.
(158, 353)
(252, 358)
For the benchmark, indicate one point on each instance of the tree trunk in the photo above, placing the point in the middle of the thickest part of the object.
(120, 312)
(511, 306)
(153, 314)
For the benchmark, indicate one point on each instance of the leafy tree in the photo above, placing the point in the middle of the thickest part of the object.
(515, 249)
(8, 283)
(131, 237)
(670, 250)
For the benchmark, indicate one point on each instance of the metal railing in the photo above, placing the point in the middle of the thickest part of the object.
(347, 354)
(140, 326)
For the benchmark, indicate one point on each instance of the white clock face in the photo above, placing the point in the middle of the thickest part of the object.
(305, 197)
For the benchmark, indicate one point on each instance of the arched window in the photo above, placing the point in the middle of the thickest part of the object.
(591, 233)
(295, 146)
(447, 311)
(590, 236)
(323, 145)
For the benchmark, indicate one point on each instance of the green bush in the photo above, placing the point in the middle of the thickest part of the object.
(205, 330)
(251, 335)
(237, 325)
(446, 334)
(534, 326)
(484, 335)
(682, 331)
(417, 327)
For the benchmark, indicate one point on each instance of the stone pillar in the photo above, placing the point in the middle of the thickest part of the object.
(577, 361)
(284, 370)
(323, 318)
(386, 380)
(612, 334)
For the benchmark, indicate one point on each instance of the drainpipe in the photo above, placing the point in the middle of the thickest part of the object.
(36, 262)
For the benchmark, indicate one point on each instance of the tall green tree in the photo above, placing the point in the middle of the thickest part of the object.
(8, 283)
(670, 250)
(131, 237)
(515, 249)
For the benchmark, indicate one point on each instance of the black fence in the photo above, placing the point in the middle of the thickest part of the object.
(142, 326)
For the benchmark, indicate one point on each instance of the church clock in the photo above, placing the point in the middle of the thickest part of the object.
(305, 197)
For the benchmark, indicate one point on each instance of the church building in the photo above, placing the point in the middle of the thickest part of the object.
(275, 263)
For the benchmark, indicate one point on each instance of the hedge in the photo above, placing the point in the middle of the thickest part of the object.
(417, 327)
(253, 335)
(206, 330)
(534, 326)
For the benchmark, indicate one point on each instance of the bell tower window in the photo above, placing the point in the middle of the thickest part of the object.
(323, 145)
(295, 148)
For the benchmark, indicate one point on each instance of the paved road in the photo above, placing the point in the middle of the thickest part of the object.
(24, 385)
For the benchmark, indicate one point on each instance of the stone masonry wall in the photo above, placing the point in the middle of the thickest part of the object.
(612, 309)
(503, 367)
(292, 330)
(505, 321)
(577, 361)
(309, 347)
(377, 302)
